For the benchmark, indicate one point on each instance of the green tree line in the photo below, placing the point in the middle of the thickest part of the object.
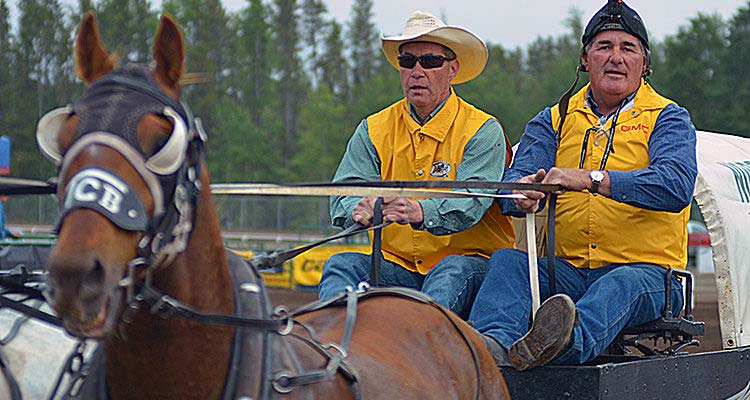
(281, 85)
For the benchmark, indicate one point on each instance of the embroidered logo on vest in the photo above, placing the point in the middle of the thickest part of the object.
(637, 127)
(440, 169)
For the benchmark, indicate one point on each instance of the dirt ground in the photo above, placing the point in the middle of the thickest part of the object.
(705, 308)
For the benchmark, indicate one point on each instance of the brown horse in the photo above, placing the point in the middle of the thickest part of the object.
(138, 222)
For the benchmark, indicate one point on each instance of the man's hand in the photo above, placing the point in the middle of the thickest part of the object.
(531, 203)
(395, 209)
(364, 211)
(402, 211)
(577, 180)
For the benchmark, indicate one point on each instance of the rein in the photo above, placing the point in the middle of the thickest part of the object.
(282, 323)
(266, 261)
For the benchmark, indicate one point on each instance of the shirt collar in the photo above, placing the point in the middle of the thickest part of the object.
(595, 107)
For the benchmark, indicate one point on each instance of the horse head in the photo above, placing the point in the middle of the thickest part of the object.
(121, 151)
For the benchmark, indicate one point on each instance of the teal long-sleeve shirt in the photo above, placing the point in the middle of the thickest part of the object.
(483, 160)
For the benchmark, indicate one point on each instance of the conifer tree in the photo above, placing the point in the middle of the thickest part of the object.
(333, 66)
(44, 73)
(127, 28)
(313, 29)
(253, 65)
(292, 90)
(737, 81)
(363, 41)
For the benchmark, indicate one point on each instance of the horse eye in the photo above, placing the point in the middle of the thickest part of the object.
(155, 134)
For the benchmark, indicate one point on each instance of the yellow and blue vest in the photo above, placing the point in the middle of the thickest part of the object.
(594, 231)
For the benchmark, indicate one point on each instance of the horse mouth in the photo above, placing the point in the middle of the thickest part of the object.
(99, 326)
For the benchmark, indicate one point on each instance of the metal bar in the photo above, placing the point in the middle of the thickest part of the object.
(377, 243)
(689, 296)
(284, 190)
(668, 294)
(533, 262)
(552, 204)
(441, 184)
(22, 186)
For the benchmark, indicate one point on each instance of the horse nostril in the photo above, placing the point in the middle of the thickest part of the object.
(91, 283)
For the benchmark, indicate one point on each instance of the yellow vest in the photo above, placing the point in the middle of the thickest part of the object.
(407, 151)
(594, 231)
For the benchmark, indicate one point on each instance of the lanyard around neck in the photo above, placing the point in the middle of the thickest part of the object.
(610, 139)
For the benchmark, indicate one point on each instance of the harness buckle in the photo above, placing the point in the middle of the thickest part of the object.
(338, 348)
(165, 307)
(282, 382)
(282, 314)
(133, 307)
(363, 287)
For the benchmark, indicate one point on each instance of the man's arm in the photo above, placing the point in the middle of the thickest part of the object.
(359, 163)
(536, 151)
(667, 183)
(483, 160)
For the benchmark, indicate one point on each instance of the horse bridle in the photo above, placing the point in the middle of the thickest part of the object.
(174, 169)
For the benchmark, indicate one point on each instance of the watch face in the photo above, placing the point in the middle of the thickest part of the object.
(597, 176)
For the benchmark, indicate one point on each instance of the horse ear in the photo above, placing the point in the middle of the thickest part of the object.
(91, 59)
(169, 52)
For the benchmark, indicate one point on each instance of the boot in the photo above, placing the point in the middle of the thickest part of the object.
(549, 336)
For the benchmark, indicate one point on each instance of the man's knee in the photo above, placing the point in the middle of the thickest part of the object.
(344, 262)
(462, 265)
(508, 260)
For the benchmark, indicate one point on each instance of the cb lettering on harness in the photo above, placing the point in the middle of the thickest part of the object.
(102, 191)
(108, 196)
(97, 186)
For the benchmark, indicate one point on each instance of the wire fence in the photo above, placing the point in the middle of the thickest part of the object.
(249, 222)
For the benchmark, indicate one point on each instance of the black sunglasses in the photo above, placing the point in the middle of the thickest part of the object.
(427, 61)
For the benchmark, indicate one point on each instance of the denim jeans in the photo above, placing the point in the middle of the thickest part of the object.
(453, 282)
(607, 300)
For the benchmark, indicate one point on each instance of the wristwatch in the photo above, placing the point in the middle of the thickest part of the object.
(596, 179)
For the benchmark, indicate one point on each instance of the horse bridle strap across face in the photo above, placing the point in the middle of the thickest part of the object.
(171, 174)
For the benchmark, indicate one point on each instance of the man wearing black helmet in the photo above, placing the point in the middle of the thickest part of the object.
(625, 156)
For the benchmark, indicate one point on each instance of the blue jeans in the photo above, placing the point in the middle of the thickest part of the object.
(453, 282)
(607, 299)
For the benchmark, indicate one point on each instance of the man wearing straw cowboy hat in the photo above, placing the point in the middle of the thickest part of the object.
(439, 246)
(625, 156)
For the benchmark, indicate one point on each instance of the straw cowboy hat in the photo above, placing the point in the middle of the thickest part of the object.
(421, 26)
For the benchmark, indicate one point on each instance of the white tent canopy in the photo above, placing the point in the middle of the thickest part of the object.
(722, 192)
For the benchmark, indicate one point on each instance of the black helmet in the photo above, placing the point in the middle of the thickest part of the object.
(616, 15)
